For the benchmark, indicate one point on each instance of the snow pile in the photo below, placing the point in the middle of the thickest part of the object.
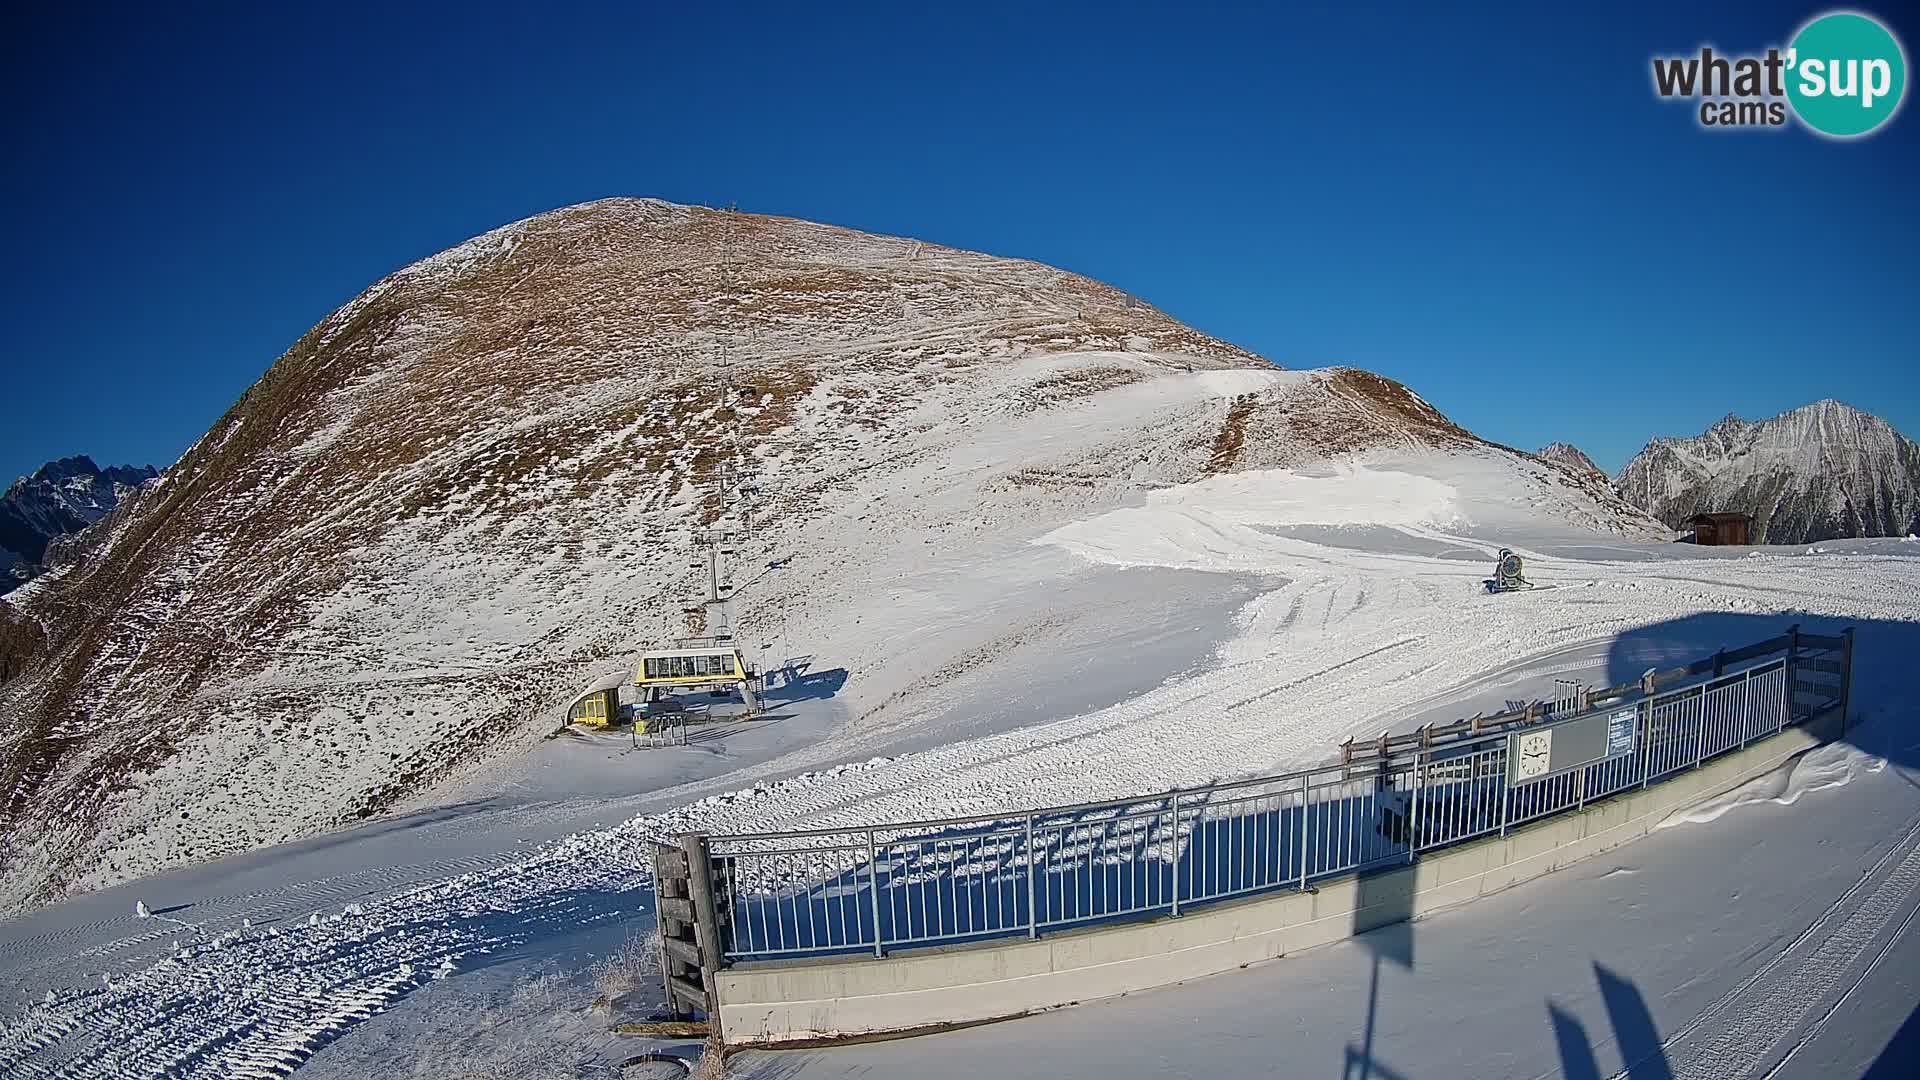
(1225, 522)
(1829, 766)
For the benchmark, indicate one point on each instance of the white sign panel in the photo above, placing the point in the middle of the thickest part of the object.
(1620, 732)
(1570, 744)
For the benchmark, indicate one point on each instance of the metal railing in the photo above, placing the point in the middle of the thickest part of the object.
(814, 892)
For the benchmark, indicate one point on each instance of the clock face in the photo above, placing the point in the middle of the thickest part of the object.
(1534, 749)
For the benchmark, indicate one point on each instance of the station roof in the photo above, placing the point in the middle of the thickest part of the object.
(605, 682)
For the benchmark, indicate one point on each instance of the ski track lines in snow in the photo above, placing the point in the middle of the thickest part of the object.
(1778, 998)
(215, 913)
(256, 1001)
(1346, 638)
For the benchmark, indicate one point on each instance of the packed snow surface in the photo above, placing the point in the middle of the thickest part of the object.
(1367, 615)
(1222, 522)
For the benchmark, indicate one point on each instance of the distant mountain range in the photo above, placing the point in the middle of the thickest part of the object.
(60, 499)
(1820, 472)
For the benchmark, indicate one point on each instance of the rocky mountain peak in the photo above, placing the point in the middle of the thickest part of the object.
(1823, 471)
(1569, 455)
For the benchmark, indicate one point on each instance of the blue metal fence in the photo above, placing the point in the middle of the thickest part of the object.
(818, 892)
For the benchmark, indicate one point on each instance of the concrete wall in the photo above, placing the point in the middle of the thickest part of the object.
(802, 1000)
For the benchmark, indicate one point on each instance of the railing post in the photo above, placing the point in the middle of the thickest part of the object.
(1506, 786)
(1645, 720)
(706, 919)
(1306, 794)
(1793, 671)
(1033, 911)
(1176, 854)
(1580, 784)
(1700, 729)
(1846, 676)
(873, 886)
(1746, 706)
(1419, 796)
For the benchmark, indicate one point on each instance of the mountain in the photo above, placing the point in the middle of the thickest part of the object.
(1820, 472)
(60, 499)
(1571, 456)
(473, 489)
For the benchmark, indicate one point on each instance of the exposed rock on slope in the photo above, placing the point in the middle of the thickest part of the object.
(60, 499)
(1571, 456)
(472, 489)
(1820, 472)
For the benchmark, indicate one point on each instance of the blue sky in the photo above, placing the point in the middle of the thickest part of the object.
(1493, 208)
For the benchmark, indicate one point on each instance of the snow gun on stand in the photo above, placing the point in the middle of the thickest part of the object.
(1508, 574)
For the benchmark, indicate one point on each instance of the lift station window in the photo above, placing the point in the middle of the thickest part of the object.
(712, 665)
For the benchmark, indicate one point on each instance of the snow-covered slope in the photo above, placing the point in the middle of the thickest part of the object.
(1368, 617)
(61, 498)
(1821, 472)
(472, 489)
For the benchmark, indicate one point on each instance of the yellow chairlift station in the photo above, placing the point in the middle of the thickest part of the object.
(691, 667)
(696, 665)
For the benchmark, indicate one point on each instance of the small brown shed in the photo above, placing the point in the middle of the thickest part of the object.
(1722, 529)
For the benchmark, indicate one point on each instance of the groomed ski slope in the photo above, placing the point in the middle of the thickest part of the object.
(1368, 616)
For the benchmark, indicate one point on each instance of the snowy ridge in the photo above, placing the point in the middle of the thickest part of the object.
(1820, 472)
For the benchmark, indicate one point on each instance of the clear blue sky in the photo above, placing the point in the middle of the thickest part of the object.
(1493, 208)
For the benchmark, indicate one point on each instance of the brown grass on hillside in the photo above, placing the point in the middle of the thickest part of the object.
(1232, 436)
(1397, 403)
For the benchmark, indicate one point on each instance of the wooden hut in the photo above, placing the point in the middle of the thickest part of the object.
(1728, 528)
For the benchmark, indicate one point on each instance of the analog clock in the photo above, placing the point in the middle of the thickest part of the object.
(1534, 749)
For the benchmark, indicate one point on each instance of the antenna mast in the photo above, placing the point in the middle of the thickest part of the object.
(718, 541)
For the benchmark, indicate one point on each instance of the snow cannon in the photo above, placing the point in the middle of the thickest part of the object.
(1508, 574)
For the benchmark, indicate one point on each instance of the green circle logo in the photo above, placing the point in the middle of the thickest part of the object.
(1846, 74)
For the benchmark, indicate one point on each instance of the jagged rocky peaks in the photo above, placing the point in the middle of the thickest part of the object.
(59, 499)
(1820, 472)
